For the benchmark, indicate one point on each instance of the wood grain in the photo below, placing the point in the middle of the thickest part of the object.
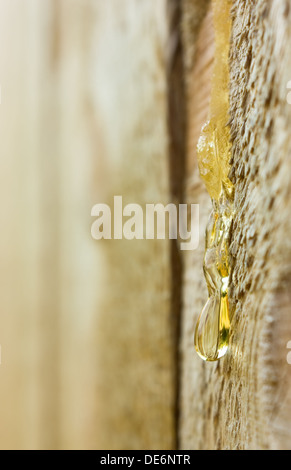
(135, 336)
(88, 344)
(243, 401)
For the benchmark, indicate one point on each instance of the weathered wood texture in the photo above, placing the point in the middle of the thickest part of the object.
(244, 401)
(92, 107)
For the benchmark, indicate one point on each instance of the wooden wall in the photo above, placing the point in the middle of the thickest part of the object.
(85, 327)
(243, 401)
(107, 98)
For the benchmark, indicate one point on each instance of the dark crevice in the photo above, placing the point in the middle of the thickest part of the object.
(177, 166)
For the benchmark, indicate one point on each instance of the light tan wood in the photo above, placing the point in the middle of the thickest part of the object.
(94, 105)
(88, 343)
(49, 263)
(243, 401)
(136, 360)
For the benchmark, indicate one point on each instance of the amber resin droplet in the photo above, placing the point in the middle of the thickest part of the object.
(212, 330)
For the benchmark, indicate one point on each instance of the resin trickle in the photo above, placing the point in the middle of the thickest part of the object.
(212, 330)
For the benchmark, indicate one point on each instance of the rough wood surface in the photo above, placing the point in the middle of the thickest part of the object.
(92, 107)
(243, 401)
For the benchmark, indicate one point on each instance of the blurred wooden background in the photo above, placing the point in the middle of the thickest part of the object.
(107, 98)
(87, 341)
(50, 267)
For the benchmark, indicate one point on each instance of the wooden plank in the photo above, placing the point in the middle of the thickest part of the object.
(88, 343)
(243, 401)
(134, 330)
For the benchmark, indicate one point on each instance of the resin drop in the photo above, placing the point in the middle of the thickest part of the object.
(212, 330)
(213, 150)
